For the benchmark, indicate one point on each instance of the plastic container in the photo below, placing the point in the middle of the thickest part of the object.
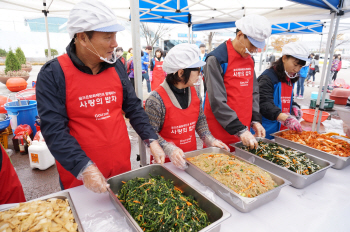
(340, 96)
(4, 140)
(308, 115)
(24, 114)
(16, 143)
(39, 156)
(4, 121)
(314, 95)
(328, 104)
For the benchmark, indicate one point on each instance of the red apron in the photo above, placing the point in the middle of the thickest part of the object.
(94, 108)
(158, 75)
(286, 96)
(238, 81)
(11, 190)
(180, 124)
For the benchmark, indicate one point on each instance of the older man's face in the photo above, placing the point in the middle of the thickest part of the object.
(104, 43)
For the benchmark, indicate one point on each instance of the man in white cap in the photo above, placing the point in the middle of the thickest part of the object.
(81, 96)
(232, 100)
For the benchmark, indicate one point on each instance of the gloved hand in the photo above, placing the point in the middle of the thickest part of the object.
(249, 140)
(297, 112)
(219, 144)
(157, 152)
(150, 75)
(93, 179)
(259, 130)
(292, 124)
(177, 158)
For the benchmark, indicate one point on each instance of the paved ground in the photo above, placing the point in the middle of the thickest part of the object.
(38, 183)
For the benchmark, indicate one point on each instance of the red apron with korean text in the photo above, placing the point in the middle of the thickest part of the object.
(286, 97)
(11, 190)
(94, 108)
(238, 81)
(180, 124)
(158, 75)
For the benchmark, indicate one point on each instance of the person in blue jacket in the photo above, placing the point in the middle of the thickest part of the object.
(145, 64)
(300, 88)
(276, 83)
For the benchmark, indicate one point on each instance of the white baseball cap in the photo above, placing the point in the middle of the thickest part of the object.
(256, 27)
(296, 49)
(182, 56)
(92, 15)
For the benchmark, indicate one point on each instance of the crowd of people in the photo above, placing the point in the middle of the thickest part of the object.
(83, 96)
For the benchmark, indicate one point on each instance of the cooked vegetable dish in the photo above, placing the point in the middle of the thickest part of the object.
(157, 205)
(285, 157)
(50, 215)
(245, 179)
(319, 141)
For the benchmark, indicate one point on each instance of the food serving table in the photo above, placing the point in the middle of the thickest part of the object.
(322, 206)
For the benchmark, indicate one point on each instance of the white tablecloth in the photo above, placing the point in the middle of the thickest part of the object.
(322, 206)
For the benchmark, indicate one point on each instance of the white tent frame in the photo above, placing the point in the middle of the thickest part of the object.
(135, 14)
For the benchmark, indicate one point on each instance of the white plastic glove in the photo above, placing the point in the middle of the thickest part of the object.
(297, 112)
(249, 140)
(93, 179)
(219, 144)
(157, 152)
(259, 130)
(177, 158)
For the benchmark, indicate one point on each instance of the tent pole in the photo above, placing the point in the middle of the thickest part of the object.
(47, 31)
(192, 37)
(330, 32)
(189, 33)
(328, 70)
(261, 55)
(321, 43)
(136, 45)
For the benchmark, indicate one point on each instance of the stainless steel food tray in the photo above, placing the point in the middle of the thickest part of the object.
(298, 180)
(216, 214)
(243, 204)
(339, 162)
(63, 196)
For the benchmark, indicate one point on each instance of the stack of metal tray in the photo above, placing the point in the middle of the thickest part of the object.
(63, 196)
(216, 214)
(339, 162)
(243, 204)
(298, 180)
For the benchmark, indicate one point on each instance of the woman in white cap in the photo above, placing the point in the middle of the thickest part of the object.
(232, 99)
(277, 107)
(81, 96)
(174, 108)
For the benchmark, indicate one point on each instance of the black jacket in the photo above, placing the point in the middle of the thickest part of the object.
(268, 109)
(51, 99)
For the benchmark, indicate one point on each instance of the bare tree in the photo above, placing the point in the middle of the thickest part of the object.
(152, 36)
(210, 40)
(342, 39)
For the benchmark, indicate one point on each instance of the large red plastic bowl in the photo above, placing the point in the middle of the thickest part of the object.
(308, 115)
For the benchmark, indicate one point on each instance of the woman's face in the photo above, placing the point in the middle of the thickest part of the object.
(158, 54)
(193, 78)
(131, 51)
(291, 65)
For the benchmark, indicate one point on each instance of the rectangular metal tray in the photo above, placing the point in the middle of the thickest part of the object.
(339, 162)
(63, 196)
(216, 214)
(298, 181)
(243, 204)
